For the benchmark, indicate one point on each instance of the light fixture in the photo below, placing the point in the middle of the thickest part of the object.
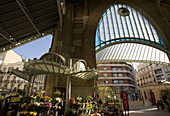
(123, 11)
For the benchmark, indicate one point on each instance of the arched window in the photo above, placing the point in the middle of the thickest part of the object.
(122, 22)
(126, 34)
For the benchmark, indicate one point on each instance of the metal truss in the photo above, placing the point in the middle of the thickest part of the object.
(134, 28)
(132, 52)
(26, 12)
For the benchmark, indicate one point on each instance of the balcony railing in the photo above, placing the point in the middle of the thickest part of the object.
(120, 71)
(105, 85)
(167, 71)
(124, 78)
(160, 78)
(115, 65)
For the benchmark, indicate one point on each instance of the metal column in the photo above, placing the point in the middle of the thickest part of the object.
(68, 90)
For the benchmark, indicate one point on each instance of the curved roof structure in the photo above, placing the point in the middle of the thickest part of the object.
(53, 63)
(132, 52)
(125, 34)
(122, 23)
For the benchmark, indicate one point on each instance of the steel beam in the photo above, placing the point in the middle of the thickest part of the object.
(3, 31)
(27, 40)
(24, 9)
(60, 13)
(6, 38)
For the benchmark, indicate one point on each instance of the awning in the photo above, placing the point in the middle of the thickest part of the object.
(19, 73)
(86, 75)
(41, 67)
(53, 63)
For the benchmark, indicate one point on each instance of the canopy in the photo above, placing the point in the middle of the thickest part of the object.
(53, 63)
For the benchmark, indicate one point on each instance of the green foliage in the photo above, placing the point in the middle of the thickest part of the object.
(57, 94)
(89, 97)
(1, 99)
(107, 93)
(165, 92)
(160, 104)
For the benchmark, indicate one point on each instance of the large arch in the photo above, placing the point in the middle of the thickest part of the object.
(121, 23)
(146, 7)
(124, 23)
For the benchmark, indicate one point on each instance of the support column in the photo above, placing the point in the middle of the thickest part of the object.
(68, 94)
(68, 90)
(30, 83)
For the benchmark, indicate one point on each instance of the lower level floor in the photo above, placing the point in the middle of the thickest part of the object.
(147, 111)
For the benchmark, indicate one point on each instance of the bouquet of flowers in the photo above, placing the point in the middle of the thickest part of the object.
(48, 104)
(32, 113)
(96, 114)
(57, 94)
(57, 107)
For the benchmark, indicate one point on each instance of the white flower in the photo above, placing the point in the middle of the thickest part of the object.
(58, 99)
(37, 103)
(41, 103)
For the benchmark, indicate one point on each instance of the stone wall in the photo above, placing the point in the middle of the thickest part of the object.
(135, 103)
(155, 89)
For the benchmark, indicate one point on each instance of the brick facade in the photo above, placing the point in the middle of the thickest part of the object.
(119, 76)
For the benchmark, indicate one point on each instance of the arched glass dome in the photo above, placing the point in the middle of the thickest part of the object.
(122, 22)
(125, 34)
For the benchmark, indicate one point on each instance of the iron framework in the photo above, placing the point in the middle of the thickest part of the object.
(122, 36)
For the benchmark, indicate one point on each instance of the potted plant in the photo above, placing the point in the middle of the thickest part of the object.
(160, 105)
(165, 95)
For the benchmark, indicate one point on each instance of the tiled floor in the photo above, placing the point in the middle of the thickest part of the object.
(147, 111)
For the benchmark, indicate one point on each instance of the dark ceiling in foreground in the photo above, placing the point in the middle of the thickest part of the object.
(22, 21)
(25, 20)
(166, 2)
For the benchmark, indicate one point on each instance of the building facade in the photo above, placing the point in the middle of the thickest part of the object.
(9, 81)
(151, 79)
(152, 74)
(119, 76)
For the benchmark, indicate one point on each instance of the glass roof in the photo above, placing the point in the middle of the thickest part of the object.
(134, 26)
(132, 52)
(126, 34)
